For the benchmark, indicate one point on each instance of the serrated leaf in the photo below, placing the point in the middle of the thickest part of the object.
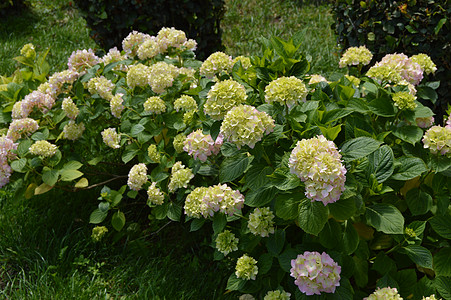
(443, 287)
(382, 163)
(234, 283)
(50, 177)
(275, 242)
(386, 218)
(136, 129)
(441, 225)
(408, 167)
(419, 255)
(118, 220)
(408, 133)
(264, 263)
(234, 167)
(418, 201)
(70, 174)
(312, 216)
(97, 216)
(219, 222)
(342, 209)
(18, 165)
(287, 205)
(174, 212)
(442, 262)
(72, 165)
(196, 224)
(260, 197)
(359, 147)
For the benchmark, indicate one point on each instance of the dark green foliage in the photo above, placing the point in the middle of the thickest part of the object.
(111, 21)
(409, 27)
(11, 6)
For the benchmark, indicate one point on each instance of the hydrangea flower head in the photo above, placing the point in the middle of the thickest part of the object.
(102, 86)
(5, 171)
(385, 293)
(137, 75)
(179, 142)
(61, 81)
(222, 97)
(155, 195)
(185, 103)
(286, 91)
(153, 153)
(431, 297)
(73, 131)
(98, 232)
(170, 37)
(395, 68)
(404, 100)
(261, 221)
(154, 105)
(355, 56)
(438, 140)
(317, 163)
(81, 60)
(246, 268)
(425, 62)
(36, 99)
(204, 201)
(111, 138)
(20, 127)
(70, 108)
(180, 177)
(216, 63)
(161, 76)
(245, 125)
(6, 147)
(354, 80)
(28, 51)
(43, 148)
(315, 273)
(226, 242)
(246, 297)
(277, 295)
(201, 146)
(116, 105)
(245, 61)
(137, 177)
(113, 56)
(316, 78)
(149, 49)
(132, 42)
(425, 122)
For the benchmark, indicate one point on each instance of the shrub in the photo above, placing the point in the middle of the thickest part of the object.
(11, 6)
(406, 26)
(337, 192)
(111, 21)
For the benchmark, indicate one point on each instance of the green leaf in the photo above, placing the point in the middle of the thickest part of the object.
(349, 239)
(214, 130)
(129, 154)
(343, 209)
(299, 68)
(330, 133)
(69, 175)
(361, 271)
(136, 129)
(19, 164)
(260, 197)
(439, 25)
(382, 163)
(234, 283)
(312, 216)
(329, 237)
(286, 257)
(219, 222)
(383, 264)
(419, 255)
(50, 177)
(359, 147)
(344, 291)
(382, 106)
(386, 218)
(72, 165)
(408, 133)
(287, 206)
(118, 220)
(229, 149)
(97, 216)
(275, 242)
(442, 262)
(257, 176)
(264, 263)
(427, 93)
(418, 201)
(161, 211)
(408, 168)
(335, 114)
(442, 225)
(443, 287)
(196, 224)
(23, 147)
(233, 167)
(40, 136)
(174, 211)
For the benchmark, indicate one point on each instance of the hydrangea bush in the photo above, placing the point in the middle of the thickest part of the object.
(310, 187)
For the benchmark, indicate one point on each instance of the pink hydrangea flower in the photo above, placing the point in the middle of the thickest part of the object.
(201, 146)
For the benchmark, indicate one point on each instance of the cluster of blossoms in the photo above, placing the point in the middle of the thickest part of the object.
(19, 127)
(137, 75)
(431, 297)
(70, 108)
(286, 91)
(111, 138)
(246, 268)
(81, 60)
(317, 163)
(206, 201)
(316, 78)
(28, 51)
(185, 103)
(396, 68)
(277, 295)
(226, 242)
(425, 122)
(180, 177)
(6, 147)
(355, 56)
(133, 41)
(57, 82)
(179, 142)
(385, 293)
(261, 222)
(137, 177)
(438, 139)
(154, 105)
(36, 99)
(43, 148)
(222, 97)
(425, 62)
(116, 105)
(155, 196)
(245, 125)
(201, 146)
(114, 56)
(404, 100)
(216, 63)
(153, 153)
(354, 80)
(98, 232)
(102, 86)
(315, 273)
(161, 75)
(245, 61)
(73, 131)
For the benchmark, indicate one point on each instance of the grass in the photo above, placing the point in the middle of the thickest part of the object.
(45, 247)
